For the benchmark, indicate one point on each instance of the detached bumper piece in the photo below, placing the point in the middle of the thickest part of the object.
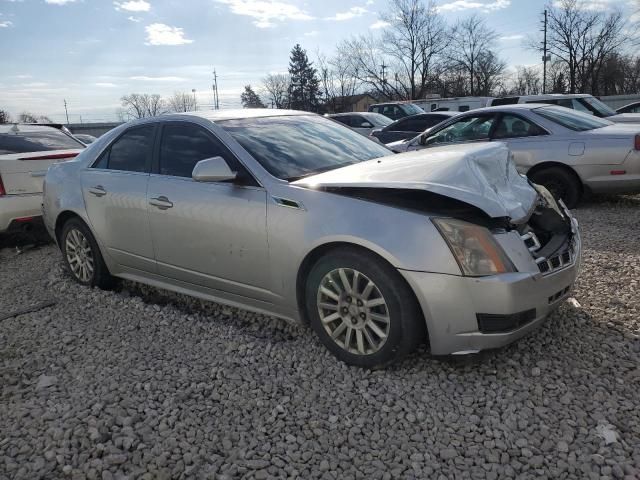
(494, 323)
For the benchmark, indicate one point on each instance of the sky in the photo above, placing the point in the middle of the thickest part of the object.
(91, 52)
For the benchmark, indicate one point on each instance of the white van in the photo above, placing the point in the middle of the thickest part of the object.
(581, 102)
(455, 104)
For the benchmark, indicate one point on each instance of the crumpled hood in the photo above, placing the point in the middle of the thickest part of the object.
(482, 175)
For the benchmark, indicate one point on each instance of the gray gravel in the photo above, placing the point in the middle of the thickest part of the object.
(145, 384)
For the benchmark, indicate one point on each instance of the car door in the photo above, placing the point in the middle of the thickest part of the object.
(115, 195)
(394, 132)
(209, 234)
(465, 129)
(529, 143)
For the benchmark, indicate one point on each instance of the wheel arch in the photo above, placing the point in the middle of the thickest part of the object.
(62, 218)
(320, 251)
(551, 164)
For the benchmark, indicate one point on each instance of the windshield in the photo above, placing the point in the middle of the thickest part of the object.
(598, 107)
(571, 119)
(296, 146)
(413, 109)
(378, 119)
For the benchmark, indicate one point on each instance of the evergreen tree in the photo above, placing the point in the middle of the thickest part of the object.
(250, 99)
(305, 85)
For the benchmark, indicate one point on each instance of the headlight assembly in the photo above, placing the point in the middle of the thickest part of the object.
(473, 247)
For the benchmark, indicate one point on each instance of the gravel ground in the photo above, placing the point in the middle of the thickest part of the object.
(145, 384)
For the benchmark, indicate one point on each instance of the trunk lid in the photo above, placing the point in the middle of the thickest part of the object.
(482, 175)
(23, 173)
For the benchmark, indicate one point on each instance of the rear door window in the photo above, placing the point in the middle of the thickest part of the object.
(343, 119)
(512, 126)
(41, 141)
(131, 152)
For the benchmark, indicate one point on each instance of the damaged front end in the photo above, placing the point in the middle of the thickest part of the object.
(550, 234)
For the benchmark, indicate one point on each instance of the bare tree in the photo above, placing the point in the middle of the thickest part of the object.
(143, 105)
(275, 87)
(402, 61)
(4, 117)
(582, 40)
(489, 73)
(527, 81)
(471, 41)
(414, 40)
(336, 82)
(28, 117)
(181, 102)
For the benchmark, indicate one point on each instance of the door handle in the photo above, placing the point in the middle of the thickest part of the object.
(98, 191)
(161, 202)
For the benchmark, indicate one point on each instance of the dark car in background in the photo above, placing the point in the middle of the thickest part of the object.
(396, 110)
(631, 108)
(410, 127)
(361, 122)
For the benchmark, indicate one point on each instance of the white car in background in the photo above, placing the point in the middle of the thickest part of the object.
(362, 122)
(26, 152)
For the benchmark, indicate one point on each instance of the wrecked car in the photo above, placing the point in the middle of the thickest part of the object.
(295, 216)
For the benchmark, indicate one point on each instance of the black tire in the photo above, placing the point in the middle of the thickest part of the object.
(100, 276)
(406, 326)
(561, 183)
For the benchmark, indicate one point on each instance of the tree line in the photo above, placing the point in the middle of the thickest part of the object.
(417, 53)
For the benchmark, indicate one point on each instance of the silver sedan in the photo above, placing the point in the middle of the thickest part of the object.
(567, 151)
(293, 215)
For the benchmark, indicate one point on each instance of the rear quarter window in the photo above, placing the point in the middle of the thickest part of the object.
(27, 142)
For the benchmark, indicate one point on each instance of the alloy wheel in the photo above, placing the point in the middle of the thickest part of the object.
(353, 311)
(79, 255)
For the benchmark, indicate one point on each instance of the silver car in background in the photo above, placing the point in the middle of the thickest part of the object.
(293, 215)
(568, 152)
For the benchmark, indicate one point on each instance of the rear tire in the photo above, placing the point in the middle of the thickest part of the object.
(82, 256)
(561, 183)
(362, 309)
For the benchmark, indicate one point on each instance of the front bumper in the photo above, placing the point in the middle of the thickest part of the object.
(14, 209)
(451, 304)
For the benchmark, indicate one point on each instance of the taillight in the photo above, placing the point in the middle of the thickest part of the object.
(2, 190)
(53, 156)
(637, 142)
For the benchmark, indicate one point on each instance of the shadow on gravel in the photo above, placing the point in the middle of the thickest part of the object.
(25, 240)
(608, 201)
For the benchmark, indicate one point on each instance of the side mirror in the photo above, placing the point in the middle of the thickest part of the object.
(213, 169)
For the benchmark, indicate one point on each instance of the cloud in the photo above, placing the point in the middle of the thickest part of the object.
(313, 33)
(370, 2)
(592, 5)
(486, 6)
(508, 38)
(59, 2)
(105, 85)
(5, 24)
(134, 19)
(145, 78)
(133, 6)
(161, 34)
(266, 12)
(349, 14)
(379, 24)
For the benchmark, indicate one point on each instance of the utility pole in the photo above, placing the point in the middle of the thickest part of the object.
(383, 67)
(66, 111)
(216, 103)
(195, 101)
(545, 57)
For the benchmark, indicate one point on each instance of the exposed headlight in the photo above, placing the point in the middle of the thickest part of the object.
(473, 247)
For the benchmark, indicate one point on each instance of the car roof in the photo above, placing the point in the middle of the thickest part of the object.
(344, 114)
(24, 128)
(240, 113)
(511, 107)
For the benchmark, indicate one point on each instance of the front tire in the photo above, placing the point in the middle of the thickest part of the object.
(362, 309)
(82, 256)
(561, 183)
